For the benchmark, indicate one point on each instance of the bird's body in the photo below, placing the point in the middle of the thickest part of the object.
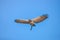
(33, 21)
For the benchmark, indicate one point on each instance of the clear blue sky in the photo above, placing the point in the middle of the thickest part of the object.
(28, 9)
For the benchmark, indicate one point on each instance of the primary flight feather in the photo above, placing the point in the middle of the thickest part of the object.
(32, 21)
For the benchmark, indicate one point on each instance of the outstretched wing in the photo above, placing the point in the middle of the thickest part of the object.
(40, 18)
(21, 21)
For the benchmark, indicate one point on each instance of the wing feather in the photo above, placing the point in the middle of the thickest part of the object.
(40, 18)
(21, 21)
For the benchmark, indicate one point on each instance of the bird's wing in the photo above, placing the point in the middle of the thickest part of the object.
(21, 21)
(40, 18)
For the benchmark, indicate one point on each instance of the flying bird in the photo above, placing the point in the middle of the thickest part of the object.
(32, 21)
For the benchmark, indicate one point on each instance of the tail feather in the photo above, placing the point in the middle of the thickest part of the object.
(32, 26)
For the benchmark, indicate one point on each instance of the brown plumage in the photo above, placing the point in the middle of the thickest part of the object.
(33, 21)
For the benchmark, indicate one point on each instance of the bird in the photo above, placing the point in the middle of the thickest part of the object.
(32, 21)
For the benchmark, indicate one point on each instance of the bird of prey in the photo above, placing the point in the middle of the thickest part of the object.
(32, 21)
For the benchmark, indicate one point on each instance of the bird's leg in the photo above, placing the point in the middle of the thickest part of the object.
(31, 28)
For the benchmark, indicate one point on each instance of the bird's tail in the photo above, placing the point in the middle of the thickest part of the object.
(32, 26)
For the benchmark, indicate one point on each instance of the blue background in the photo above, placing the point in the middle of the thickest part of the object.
(10, 10)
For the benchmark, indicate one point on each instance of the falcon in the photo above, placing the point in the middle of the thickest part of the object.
(32, 21)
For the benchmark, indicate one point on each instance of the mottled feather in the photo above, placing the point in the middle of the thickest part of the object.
(21, 21)
(40, 18)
